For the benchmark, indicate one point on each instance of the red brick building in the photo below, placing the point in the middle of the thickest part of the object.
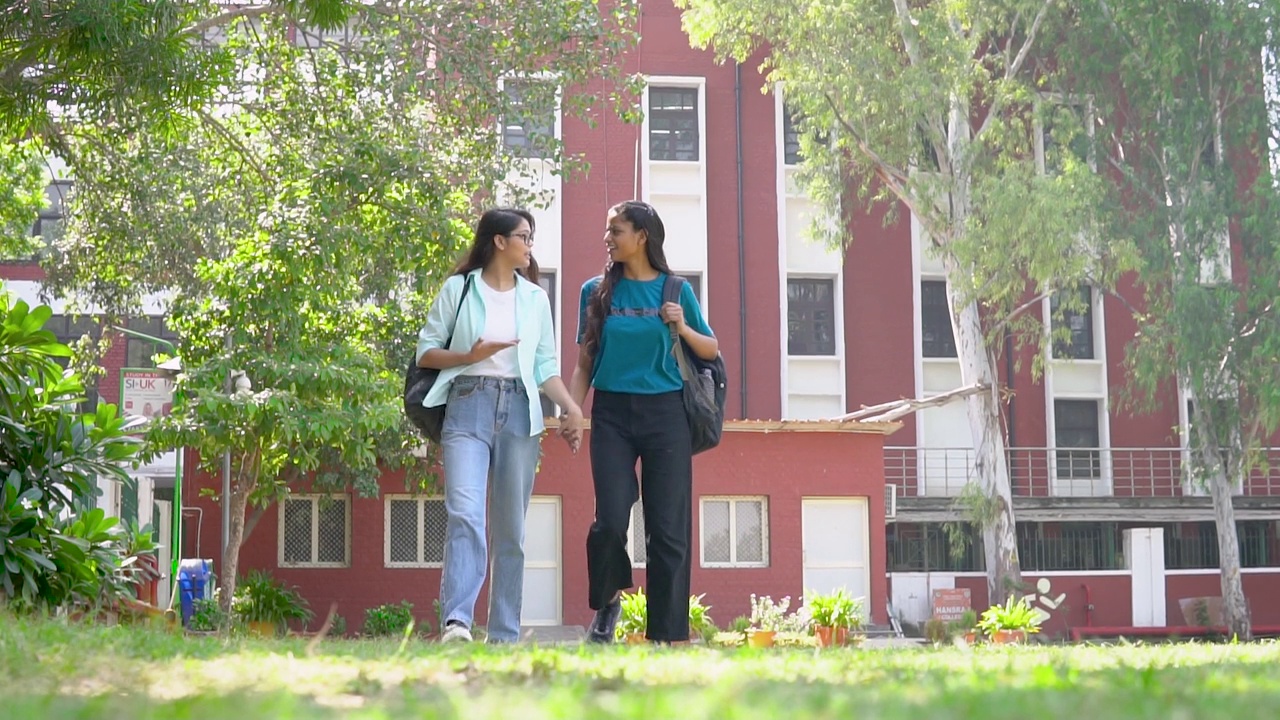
(1105, 511)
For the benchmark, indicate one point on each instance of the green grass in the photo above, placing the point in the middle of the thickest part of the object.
(53, 670)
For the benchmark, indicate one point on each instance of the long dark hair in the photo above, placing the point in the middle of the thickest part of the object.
(496, 221)
(643, 217)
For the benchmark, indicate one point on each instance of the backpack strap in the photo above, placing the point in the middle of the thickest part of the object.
(671, 290)
(466, 288)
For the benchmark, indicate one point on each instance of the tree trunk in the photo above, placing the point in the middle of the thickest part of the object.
(991, 466)
(235, 538)
(1235, 609)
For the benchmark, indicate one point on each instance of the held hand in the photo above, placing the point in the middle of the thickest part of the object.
(571, 428)
(673, 313)
(485, 349)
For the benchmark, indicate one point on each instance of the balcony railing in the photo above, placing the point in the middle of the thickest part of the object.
(1073, 472)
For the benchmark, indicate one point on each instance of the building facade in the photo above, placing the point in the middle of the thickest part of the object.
(808, 333)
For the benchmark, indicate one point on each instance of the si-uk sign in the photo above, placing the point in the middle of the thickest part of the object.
(951, 603)
(148, 393)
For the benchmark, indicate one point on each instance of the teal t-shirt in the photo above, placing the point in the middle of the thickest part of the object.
(635, 350)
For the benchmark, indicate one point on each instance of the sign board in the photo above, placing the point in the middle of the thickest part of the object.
(148, 393)
(951, 603)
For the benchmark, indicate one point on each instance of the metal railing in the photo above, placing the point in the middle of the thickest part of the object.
(1073, 472)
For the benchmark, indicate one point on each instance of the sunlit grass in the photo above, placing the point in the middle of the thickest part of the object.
(54, 670)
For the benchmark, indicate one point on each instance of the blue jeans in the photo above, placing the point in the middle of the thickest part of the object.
(486, 438)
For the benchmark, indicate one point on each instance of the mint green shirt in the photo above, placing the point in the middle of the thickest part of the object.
(537, 349)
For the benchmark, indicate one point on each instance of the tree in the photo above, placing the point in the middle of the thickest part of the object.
(54, 549)
(932, 105)
(1182, 87)
(305, 215)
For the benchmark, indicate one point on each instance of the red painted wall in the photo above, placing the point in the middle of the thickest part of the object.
(1261, 588)
(1108, 594)
(783, 466)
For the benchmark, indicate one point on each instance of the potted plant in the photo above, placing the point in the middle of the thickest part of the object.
(833, 616)
(767, 618)
(700, 623)
(967, 625)
(1011, 622)
(634, 619)
(266, 605)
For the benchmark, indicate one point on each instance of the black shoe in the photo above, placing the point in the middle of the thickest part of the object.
(601, 630)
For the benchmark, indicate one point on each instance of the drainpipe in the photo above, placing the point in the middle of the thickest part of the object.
(742, 243)
(1008, 370)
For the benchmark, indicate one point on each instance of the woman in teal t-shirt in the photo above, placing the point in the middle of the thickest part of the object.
(638, 413)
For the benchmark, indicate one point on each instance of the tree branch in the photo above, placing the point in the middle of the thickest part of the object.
(226, 134)
(1008, 319)
(906, 28)
(227, 17)
(1012, 69)
(890, 411)
(888, 174)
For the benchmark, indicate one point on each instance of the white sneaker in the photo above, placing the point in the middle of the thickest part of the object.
(455, 632)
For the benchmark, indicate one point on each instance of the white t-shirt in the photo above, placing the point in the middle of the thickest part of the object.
(500, 325)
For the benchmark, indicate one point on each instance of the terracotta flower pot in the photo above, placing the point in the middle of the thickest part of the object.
(1009, 637)
(971, 638)
(261, 628)
(636, 638)
(760, 638)
(830, 636)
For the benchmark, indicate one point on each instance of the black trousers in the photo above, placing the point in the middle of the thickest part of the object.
(655, 430)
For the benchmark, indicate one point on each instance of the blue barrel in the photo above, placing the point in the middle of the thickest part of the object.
(193, 581)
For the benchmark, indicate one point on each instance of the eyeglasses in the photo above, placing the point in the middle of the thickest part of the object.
(524, 237)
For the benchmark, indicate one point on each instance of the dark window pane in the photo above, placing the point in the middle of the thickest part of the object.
(434, 518)
(297, 531)
(1076, 426)
(811, 326)
(403, 528)
(530, 120)
(790, 138)
(1079, 321)
(673, 124)
(333, 531)
(937, 339)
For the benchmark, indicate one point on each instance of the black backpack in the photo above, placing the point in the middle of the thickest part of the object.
(419, 380)
(705, 382)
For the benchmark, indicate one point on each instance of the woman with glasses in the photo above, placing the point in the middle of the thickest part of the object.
(502, 351)
(624, 330)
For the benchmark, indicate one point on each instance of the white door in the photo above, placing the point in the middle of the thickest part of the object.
(542, 586)
(164, 526)
(835, 545)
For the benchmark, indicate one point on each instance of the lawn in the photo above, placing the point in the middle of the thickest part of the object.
(52, 670)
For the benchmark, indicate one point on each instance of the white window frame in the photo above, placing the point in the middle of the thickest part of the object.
(421, 502)
(314, 500)
(1085, 103)
(557, 129)
(633, 540)
(837, 314)
(733, 500)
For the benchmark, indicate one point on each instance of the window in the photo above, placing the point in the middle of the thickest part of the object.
(673, 124)
(1078, 318)
(937, 340)
(695, 282)
(315, 531)
(49, 222)
(70, 331)
(790, 138)
(531, 118)
(138, 351)
(811, 316)
(1076, 426)
(1064, 133)
(636, 541)
(734, 532)
(414, 532)
(547, 281)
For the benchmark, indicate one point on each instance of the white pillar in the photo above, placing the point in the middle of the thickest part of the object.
(1144, 555)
